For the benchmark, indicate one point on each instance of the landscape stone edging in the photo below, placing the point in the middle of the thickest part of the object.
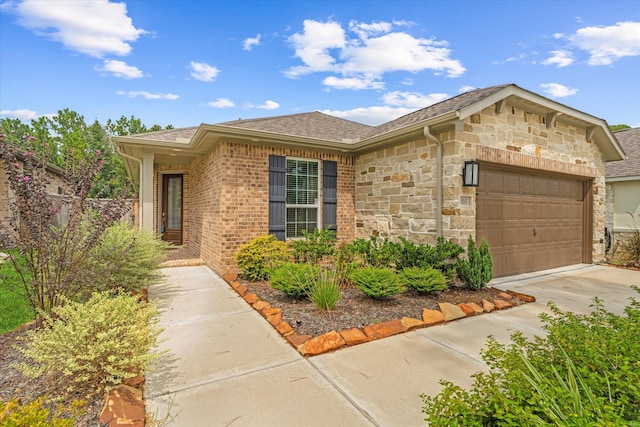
(308, 346)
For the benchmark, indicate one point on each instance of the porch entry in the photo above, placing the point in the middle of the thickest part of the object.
(171, 225)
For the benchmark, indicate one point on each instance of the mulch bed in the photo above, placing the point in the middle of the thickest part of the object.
(356, 310)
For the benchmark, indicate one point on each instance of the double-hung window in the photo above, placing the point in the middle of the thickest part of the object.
(298, 189)
(302, 197)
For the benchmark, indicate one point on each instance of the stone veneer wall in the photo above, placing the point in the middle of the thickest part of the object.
(395, 186)
(157, 183)
(229, 201)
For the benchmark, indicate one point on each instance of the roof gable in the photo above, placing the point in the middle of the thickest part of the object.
(630, 142)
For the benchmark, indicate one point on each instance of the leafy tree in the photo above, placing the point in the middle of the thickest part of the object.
(619, 127)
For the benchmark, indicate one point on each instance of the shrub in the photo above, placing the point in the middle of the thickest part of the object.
(102, 341)
(631, 245)
(260, 255)
(53, 254)
(585, 371)
(294, 279)
(477, 270)
(427, 280)
(344, 263)
(381, 253)
(125, 259)
(324, 291)
(314, 246)
(377, 282)
(33, 414)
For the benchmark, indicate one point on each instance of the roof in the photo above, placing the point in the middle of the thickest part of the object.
(630, 167)
(319, 131)
(310, 125)
(452, 104)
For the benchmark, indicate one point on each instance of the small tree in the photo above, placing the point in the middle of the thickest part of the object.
(477, 270)
(53, 255)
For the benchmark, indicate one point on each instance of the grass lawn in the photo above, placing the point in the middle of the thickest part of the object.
(14, 307)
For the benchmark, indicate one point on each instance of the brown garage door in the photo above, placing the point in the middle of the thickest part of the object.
(531, 221)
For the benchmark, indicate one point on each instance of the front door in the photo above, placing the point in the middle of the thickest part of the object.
(172, 209)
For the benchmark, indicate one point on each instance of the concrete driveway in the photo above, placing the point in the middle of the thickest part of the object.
(226, 366)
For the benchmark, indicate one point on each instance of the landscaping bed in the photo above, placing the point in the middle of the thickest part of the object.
(357, 310)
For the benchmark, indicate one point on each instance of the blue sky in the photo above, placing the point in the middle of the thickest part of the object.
(190, 62)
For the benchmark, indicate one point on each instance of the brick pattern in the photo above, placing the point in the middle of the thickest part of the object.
(396, 186)
(226, 212)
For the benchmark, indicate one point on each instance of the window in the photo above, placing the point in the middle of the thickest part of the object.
(302, 185)
(294, 193)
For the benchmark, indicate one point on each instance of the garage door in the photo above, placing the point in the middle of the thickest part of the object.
(531, 221)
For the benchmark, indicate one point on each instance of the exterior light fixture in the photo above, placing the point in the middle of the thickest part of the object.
(471, 173)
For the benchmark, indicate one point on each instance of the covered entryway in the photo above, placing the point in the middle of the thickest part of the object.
(533, 220)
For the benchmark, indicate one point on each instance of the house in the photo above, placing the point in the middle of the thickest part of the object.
(539, 169)
(623, 187)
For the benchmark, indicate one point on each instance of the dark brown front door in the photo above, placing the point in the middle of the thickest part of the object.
(172, 209)
(531, 221)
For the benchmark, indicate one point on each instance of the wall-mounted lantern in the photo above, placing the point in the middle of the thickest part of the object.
(471, 173)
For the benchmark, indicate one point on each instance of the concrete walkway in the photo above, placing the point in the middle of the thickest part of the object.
(226, 366)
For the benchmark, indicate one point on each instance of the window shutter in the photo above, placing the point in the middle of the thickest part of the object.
(277, 195)
(330, 195)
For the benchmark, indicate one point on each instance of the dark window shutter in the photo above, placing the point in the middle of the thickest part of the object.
(277, 195)
(330, 195)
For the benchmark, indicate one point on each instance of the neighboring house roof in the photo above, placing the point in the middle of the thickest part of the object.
(630, 167)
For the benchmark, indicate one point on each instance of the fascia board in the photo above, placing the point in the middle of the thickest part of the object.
(623, 178)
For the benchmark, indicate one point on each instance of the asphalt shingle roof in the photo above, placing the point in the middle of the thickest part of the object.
(446, 106)
(311, 125)
(630, 141)
(169, 135)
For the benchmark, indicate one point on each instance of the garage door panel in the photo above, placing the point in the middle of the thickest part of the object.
(512, 204)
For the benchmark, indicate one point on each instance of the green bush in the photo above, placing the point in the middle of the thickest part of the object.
(314, 246)
(427, 280)
(102, 341)
(584, 372)
(294, 279)
(125, 259)
(260, 255)
(631, 244)
(325, 291)
(377, 282)
(32, 414)
(375, 252)
(344, 262)
(477, 270)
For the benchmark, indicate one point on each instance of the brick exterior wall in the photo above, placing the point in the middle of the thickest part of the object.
(227, 198)
(396, 186)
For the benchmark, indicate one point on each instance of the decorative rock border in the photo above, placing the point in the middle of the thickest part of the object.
(307, 345)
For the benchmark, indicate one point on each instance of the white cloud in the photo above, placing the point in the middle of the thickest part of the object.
(354, 83)
(268, 105)
(412, 99)
(203, 71)
(371, 115)
(147, 95)
(95, 28)
(313, 44)
(560, 58)
(120, 69)
(608, 44)
(250, 42)
(366, 53)
(464, 89)
(221, 103)
(22, 114)
(557, 90)
(519, 57)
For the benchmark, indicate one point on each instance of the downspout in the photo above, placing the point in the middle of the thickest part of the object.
(429, 136)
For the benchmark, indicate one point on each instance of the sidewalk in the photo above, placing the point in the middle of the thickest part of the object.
(228, 367)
